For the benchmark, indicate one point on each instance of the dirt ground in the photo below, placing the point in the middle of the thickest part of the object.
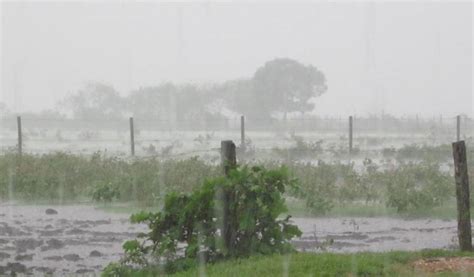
(438, 265)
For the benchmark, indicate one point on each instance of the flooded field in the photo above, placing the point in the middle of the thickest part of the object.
(75, 239)
(61, 239)
(379, 234)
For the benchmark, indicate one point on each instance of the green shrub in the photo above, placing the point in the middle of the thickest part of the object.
(105, 193)
(301, 149)
(427, 153)
(318, 186)
(226, 218)
(412, 187)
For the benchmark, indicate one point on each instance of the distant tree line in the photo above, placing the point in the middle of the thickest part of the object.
(279, 87)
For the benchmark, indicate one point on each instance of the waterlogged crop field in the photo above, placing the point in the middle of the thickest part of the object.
(66, 202)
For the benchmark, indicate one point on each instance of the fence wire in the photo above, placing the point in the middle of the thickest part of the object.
(183, 137)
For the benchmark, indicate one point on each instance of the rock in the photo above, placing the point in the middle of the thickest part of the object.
(24, 257)
(95, 253)
(72, 257)
(51, 211)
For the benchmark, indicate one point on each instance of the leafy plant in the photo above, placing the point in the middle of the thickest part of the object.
(317, 186)
(301, 149)
(226, 218)
(105, 193)
(417, 186)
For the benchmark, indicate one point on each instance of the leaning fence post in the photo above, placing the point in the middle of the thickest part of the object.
(20, 135)
(462, 196)
(228, 156)
(350, 134)
(242, 133)
(132, 137)
(458, 128)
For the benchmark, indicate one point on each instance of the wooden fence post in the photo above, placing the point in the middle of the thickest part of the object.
(132, 137)
(228, 156)
(350, 134)
(458, 128)
(242, 133)
(20, 136)
(462, 196)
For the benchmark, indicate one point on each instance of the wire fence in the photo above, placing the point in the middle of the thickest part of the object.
(200, 137)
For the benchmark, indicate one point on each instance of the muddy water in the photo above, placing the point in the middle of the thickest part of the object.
(348, 235)
(61, 239)
(81, 239)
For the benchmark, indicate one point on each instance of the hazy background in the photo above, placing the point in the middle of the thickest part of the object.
(401, 58)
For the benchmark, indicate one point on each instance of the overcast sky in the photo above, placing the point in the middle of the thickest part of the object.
(401, 58)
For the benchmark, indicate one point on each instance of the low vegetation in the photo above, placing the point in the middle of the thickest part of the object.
(405, 186)
(397, 263)
(59, 177)
(226, 218)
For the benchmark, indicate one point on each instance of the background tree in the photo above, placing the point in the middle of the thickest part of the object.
(152, 102)
(96, 101)
(285, 85)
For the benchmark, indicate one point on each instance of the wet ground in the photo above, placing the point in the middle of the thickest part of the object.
(81, 239)
(61, 239)
(348, 235)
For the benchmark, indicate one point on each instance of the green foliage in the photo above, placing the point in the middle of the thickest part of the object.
(226, 218)
(413, 152)
(62, 176)
(105, 193)
(395, 263)
(407, 188)
(317, 186)
(302, 149)
(411, 187)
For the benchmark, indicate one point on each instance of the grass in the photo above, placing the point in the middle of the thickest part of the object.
(395, 263)
(297, 208)
(447, 210)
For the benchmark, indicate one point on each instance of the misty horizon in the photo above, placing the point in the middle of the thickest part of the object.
(395, 58)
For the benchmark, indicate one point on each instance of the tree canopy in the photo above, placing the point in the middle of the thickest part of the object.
(285, 85)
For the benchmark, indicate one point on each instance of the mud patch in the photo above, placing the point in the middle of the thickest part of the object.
(438, 265)
(4, 255)
(75, 240)
(380, 239)
(28, 257)
(12, 268)
(27, 244)
(53, 244)
(72, 257)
